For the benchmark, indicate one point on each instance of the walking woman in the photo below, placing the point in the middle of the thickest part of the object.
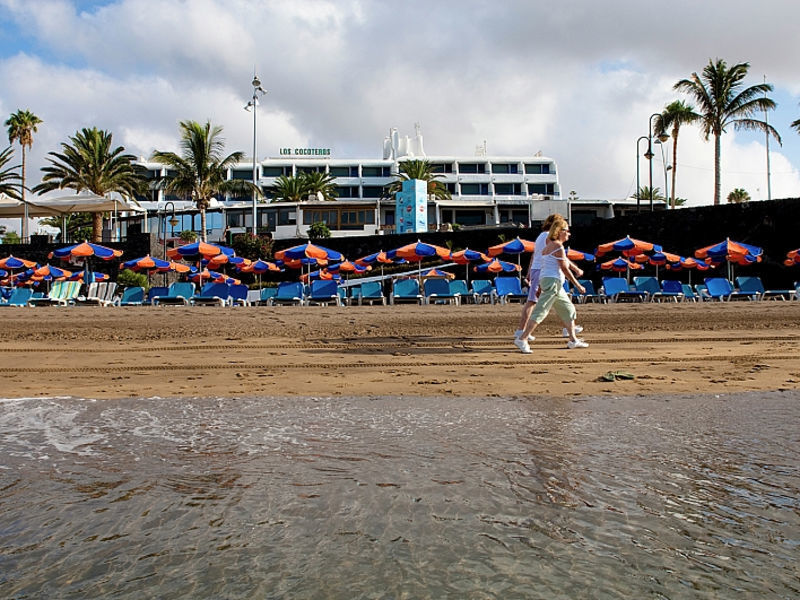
(555, 268)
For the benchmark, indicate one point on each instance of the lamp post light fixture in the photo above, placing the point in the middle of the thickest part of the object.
(663, 137)
(173, 220)
(258, 91)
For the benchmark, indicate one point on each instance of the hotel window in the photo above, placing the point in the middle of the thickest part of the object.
(375, 172)
(507, 189)
(471, 168)
(442, 167)
(451, 187)
(347, 191)
(153, 174)
(243, 175)
(474, 189)
(371, 191)
(307, 169)
(344, 171)
(273, 171)
(505, 168)
(537, 169)
(287, 216)
(547, 189)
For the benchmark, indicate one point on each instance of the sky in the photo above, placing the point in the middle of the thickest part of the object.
(574, 79)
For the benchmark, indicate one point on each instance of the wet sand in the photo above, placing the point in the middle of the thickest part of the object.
(427, 351)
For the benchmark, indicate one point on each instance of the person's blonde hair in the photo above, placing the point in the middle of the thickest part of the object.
(556, 228)
(548, 222)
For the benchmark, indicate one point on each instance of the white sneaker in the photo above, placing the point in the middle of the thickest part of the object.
(523, 346)
(518, 333)
(565, 333)
(577, 344)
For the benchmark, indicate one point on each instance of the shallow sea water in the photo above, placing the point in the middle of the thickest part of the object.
(669, 497)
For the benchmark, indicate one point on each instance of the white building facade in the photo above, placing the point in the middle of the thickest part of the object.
(486, 190)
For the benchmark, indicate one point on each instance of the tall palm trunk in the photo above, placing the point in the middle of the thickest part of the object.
(24, 203)
(97, 227)
(203, 224)
(674, 163)
(717, 168)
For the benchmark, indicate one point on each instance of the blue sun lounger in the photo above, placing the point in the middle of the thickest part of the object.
(324, 292)
(405, 290)
(289, 292)
(483, 291)
(370, 291)
(509, 288)
(19, 297)
(617, 289)
(438, 291)
(179, 293)
(721, 289)
(212, 293)
(754, 284)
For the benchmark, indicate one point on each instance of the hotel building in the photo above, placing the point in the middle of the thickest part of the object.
(486, 190)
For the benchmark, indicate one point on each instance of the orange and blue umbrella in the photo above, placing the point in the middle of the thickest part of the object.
(86, 250)
(627, 246)
(259, 266)
(619, 265)
(792, 258)
(497, 266)
(147, 263)
(437, 273)
(466, 256)
(11, 262)
(196, 249)
(348, 267)
(49, 272)
(732, 252)
(308, 250)
(578, 255)
(515, 246)
(92, 276)
(419, 251)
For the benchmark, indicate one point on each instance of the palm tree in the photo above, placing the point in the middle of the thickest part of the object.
(200, 173)
(418, 169)
(323, 185)
(675, 114)
(289, 189)
(721, 103)
(644, 194)
(796, 125)
(21, 127)
(8, 175)
(738, 196)
(90, 163)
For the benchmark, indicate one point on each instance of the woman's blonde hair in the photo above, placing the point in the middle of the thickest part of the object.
(548, 222)
(556, 227)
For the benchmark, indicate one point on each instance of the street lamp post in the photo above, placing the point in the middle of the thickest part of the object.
(638, 184)
(667, 168)
(663, 137)
(258, 91)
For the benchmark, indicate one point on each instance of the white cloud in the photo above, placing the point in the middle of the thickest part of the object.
(576, 80)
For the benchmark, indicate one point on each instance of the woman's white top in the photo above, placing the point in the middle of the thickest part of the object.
(551, 264)
(540, 242)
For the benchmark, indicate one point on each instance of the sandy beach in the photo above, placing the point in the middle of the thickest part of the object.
(395, 350)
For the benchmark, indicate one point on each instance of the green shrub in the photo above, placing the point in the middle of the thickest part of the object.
(128, 278)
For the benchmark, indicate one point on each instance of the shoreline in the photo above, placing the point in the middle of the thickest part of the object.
(408, 350)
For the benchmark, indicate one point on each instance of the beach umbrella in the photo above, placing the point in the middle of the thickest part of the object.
(516, 246)
(49, 273)
(419, 251)
(309, 250)
(578, 255)
(466, 256)
(194, 250)
(437, 274)
(732, 252)
(628, 246)
(619, 265)
(348, 267)
(11, 263)
(85, 251)
(323, 274)
(381, 258)
(146, 263)
(213, 277)
(496, 266)
(258, 267)
(792, 258)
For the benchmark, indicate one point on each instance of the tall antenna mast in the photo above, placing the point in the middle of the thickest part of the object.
(769, 177)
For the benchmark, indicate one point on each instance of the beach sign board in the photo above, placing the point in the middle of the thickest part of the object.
(411, 206)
